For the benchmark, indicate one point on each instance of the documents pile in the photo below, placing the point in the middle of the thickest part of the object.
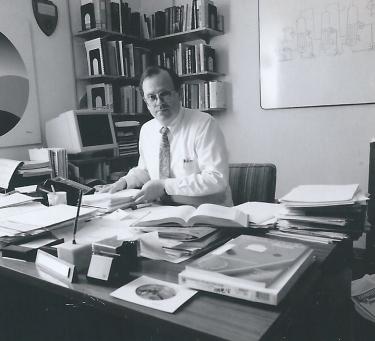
(322, 213)
(251, 268)
(363, 296)
(108, 202)
(177, 244)
(35, 168)
(57, 157)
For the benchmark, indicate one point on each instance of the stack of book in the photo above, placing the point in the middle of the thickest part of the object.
(127, 137)
(323, 213)
(57, 158)
(35, 168)
(251, 268)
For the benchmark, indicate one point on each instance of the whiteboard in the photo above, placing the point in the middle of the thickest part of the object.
(316, 52)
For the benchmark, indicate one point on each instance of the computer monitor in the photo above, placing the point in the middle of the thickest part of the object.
(81, 131)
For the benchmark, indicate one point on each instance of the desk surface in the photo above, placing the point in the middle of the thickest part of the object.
(205, 316)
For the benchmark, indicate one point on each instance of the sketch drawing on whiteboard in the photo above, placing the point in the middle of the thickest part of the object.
(317, 52)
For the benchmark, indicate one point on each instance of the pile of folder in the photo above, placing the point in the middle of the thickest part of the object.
(323, 212)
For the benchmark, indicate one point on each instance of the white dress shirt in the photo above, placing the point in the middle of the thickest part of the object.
(199, 159)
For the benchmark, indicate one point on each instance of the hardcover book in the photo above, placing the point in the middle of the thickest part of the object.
(205, 214)
(248, 267)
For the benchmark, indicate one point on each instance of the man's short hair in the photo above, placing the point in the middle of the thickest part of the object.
(155, 70)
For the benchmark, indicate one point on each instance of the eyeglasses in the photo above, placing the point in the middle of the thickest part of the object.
(163, 96)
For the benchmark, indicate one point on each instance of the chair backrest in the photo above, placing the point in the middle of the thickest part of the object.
(252, 182)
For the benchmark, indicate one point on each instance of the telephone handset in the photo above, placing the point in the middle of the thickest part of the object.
(71, 188)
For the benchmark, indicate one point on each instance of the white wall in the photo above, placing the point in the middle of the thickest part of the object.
(308, 145)
(53, 67)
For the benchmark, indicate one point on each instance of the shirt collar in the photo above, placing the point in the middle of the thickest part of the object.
(175, 124)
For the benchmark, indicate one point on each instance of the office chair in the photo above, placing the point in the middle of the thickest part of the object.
(252, 182)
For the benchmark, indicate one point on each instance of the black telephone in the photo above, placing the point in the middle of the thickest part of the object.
(59, 183)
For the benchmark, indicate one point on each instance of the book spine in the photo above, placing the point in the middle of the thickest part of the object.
(249, 294)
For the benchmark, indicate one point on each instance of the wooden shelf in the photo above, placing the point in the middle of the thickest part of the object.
(201, 75)
(199, 33)
(100, 33)
(110, 79)
(212, 110)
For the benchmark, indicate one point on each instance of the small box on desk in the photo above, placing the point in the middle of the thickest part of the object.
(112, 260)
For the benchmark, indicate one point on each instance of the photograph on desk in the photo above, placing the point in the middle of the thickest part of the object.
(251, 268)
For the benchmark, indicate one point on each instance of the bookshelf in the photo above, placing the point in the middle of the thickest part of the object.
(116, 56)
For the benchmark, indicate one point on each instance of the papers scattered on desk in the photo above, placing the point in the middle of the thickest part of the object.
(14, 199)
(363, 296)
(108, 202)
(8, 168)
(45, 217)
(154, 294)
(261, 214)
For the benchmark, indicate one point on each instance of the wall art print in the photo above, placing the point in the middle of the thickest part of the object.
(19, 111)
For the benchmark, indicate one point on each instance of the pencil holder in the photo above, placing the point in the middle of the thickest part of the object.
(77, 254)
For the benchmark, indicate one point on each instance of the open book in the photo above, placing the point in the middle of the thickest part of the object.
(205, 214)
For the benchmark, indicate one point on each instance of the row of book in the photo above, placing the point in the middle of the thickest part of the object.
(116, 58)
(187, 58)
(119, 59)
(127, 133)
(192, 15)
(117, 16)
(100, 96)
(203, 95)
(111, 15)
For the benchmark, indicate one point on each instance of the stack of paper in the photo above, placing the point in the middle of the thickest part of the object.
(56, 156)
(363, 296)
(322, 212)
(35, 168)
(108, 202)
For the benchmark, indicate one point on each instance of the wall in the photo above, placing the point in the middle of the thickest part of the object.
(308, 145)
(53, 67)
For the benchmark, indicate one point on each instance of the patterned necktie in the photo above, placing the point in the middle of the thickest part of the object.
(164, 154)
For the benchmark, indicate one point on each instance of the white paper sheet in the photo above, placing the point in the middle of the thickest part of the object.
(7, 167)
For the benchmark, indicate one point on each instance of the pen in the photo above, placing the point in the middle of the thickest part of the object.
(134, 207)
(77, 215)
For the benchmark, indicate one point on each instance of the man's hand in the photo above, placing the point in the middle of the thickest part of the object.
(151, 191)
(119, 185)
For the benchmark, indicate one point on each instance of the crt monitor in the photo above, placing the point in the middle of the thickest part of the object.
(81, 131)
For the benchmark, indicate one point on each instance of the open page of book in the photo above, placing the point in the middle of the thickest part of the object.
(260, 213)
(217, 215)
(7, 167)
(321, 193)
(166, 215)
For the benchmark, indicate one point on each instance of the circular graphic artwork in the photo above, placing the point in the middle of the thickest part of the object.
(155, 292)
(14, 86)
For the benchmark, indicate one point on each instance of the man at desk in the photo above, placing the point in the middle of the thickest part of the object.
(183, 156)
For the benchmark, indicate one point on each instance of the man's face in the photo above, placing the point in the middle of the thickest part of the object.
(162, 100)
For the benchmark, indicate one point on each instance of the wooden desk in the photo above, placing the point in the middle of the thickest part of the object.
(317, 308)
